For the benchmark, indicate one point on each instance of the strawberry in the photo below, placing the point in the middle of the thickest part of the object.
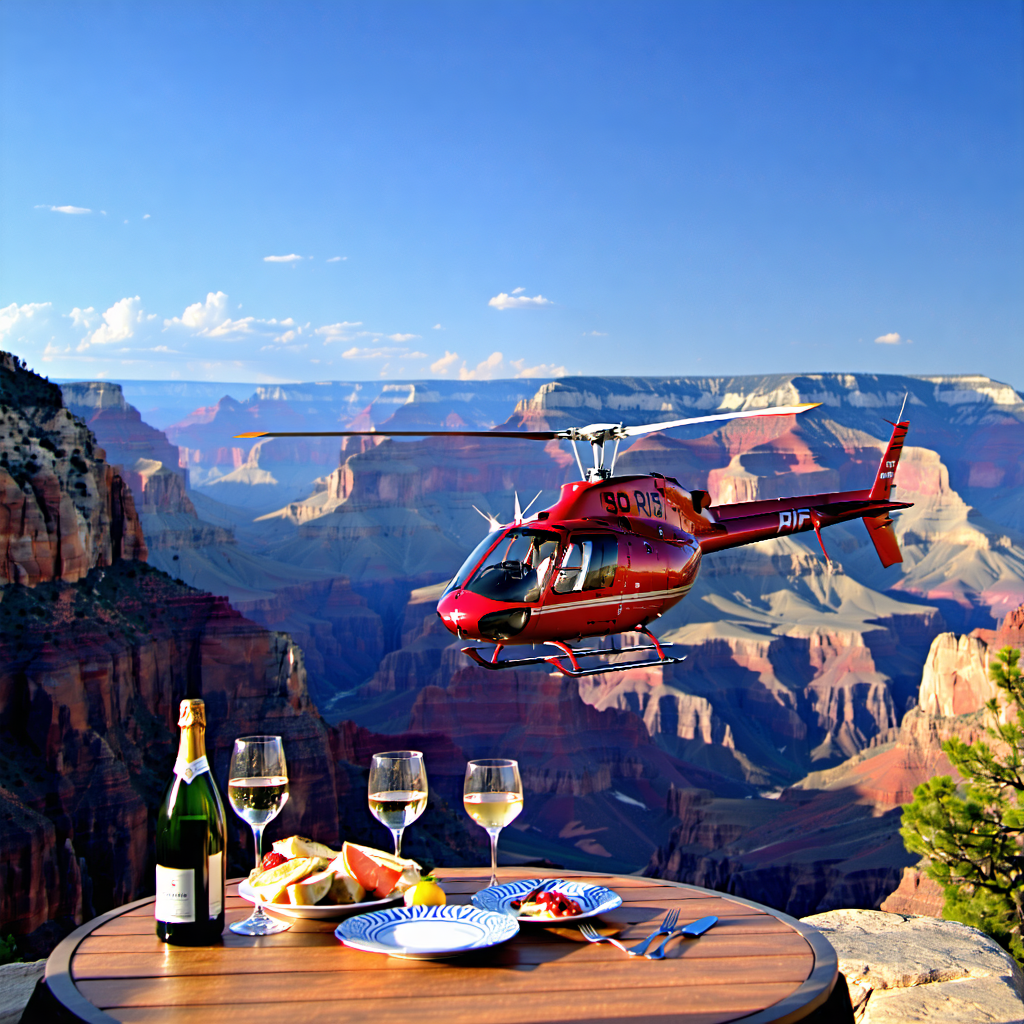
(272, 859)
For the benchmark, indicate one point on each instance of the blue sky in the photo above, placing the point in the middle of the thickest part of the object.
(496, 189)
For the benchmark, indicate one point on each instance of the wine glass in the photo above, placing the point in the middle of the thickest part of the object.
(258, 790)
(398, 790)
(493, 798)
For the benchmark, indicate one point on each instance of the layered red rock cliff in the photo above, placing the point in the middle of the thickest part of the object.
(146, 459)
(91, 675)
(97, 649)
(833, 840)
(63, 508)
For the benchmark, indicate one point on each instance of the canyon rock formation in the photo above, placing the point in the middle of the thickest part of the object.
(771, 762)
(832, 840)
(97, 648)
(63, 508)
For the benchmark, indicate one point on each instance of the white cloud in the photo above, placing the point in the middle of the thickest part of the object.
(541, 370)
(381, 352)
(517, 291)
(337, 259)
(203, 341)
(290, 258)
(597, 334)
(505, 301)
(16, 320)
(437, 327)
(342, 331)
(486, 370)
(52, 351)
(83, 318)
(492, 367)
(892, 339)
(445, 363)
(211, 319)
(120, 322)
(63, 209)
(145, 216)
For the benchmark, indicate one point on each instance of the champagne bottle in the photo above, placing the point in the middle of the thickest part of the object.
(190, 844)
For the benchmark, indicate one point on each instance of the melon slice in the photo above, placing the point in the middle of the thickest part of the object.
(311, 890)
(345, 889)
(380, 873)
(299, 846)
(271, 886)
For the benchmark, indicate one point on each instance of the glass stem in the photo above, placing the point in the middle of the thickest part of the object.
(257, 837)
(397, 833)
(493, 833)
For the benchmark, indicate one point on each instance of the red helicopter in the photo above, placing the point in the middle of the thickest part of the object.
(615, 553)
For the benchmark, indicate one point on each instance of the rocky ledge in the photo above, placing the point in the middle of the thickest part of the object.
(903, 968)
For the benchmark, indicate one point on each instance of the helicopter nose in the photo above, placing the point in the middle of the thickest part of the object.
(448, 609)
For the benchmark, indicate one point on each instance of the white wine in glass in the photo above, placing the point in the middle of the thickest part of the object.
(257, 791)
(493, 798)
(398, 790)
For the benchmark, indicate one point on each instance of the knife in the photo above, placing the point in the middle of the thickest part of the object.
(689, 931)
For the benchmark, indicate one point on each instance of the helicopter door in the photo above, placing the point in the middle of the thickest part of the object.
(585, 582)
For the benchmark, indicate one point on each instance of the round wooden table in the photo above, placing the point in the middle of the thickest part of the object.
(755, 965)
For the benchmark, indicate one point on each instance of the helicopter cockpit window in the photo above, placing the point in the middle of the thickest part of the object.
(470, 563)
(519, 567)
(589, 563)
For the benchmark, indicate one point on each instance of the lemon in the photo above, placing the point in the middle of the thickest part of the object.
(425, 894)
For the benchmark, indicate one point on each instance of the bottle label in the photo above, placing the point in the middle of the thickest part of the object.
(175, 895)
(190, 769)
(216, 884)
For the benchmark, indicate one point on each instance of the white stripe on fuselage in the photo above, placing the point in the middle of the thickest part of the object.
(599, 602)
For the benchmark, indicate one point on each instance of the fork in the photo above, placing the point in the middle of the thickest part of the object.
(692, 931)
(666, 928)
(591, 934)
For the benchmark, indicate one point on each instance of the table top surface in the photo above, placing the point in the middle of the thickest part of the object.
(755, 965)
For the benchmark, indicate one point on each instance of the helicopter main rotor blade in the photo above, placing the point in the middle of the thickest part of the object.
(528, 435)
(595, 433)
(779, 410)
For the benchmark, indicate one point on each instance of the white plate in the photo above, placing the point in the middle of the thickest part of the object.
(318, 911)
(426, 933)
(593, 899)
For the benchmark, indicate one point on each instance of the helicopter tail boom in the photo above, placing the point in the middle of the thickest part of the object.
(751, 521)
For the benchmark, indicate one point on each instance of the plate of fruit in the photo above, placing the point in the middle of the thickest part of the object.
(559, 901)
(305, 879)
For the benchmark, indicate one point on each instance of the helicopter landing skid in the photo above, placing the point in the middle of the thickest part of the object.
(572, 655)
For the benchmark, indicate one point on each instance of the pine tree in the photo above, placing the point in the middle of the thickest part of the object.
(971, 834)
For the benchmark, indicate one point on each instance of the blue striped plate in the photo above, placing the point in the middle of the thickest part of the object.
(593, 899)
(426, 933)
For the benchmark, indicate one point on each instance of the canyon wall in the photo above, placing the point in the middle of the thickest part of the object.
(794, 665)
(97, 648)
(63, 508)
(91, 675)
(832, 840)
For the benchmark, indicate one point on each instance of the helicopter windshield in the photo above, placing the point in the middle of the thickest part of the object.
(470, 563)
(519, 567)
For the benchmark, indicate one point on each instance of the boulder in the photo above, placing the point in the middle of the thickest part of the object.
(16, 984)
(904, 968)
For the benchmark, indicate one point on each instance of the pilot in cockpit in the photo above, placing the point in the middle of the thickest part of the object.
(542, 557)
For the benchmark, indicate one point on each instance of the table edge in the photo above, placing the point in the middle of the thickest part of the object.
(822, 977)
(58, 967)
(824, 974)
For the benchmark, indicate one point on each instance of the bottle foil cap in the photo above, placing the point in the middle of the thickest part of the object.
(192, 712)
